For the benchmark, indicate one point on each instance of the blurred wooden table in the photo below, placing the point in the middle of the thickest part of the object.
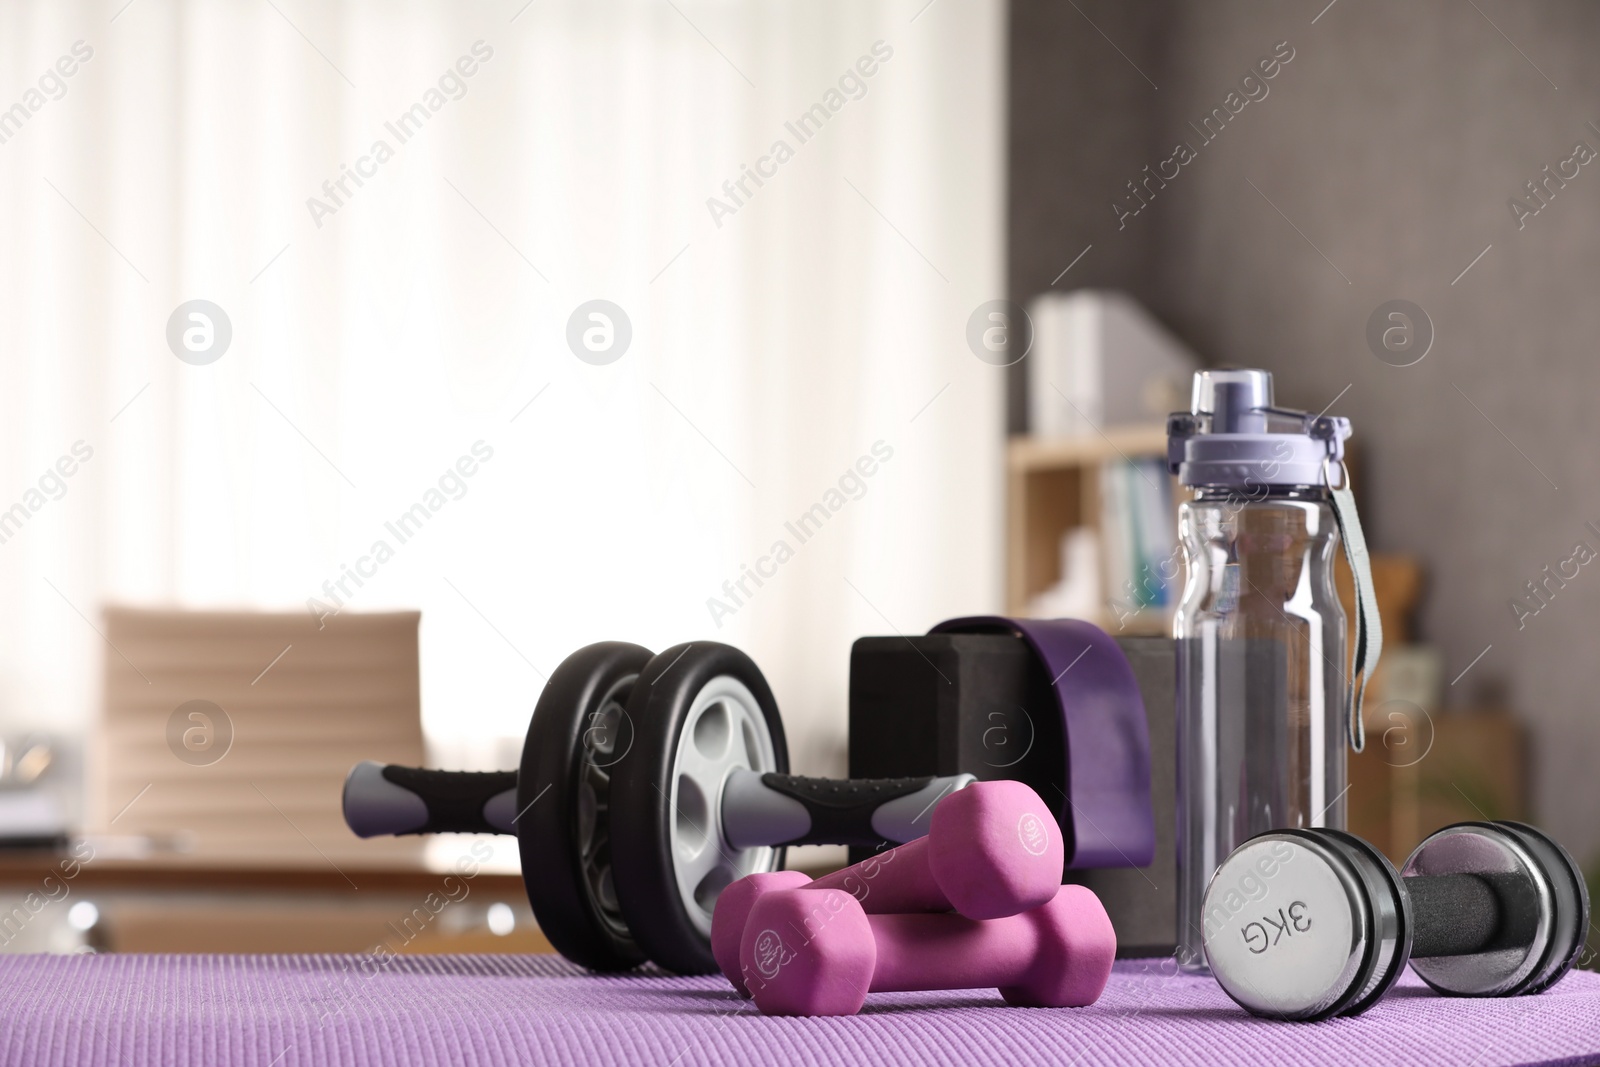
(176, 903)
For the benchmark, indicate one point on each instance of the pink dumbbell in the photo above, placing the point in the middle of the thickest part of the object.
(993, 849)
(816, 952)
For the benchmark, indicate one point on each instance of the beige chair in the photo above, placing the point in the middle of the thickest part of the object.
(229, 733)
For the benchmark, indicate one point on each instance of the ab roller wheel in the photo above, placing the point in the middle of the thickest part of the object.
(647, 785)
(558, 804)
(579, 734)
(702, 711)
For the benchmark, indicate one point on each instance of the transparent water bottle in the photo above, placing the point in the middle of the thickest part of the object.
(1265, 694)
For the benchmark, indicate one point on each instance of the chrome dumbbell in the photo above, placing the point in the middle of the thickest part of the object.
(1308, 924)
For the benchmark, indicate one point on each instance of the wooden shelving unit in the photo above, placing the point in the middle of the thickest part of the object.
(1053, 485)
(1418, 775)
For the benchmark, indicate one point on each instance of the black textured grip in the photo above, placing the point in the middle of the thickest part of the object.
(841, 808)
(455, 799)
(1464, 914)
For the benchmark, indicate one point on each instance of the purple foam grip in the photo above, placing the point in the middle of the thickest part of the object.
(817, 952)
(1106, 734)
(992, 850)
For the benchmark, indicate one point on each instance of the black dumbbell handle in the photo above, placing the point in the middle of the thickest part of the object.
(1464, 914)
(387, 799)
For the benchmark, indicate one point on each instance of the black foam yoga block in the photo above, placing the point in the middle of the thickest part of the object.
(952, 703)
(983, 704)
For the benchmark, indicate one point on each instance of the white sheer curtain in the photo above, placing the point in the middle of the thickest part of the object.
(388, 328)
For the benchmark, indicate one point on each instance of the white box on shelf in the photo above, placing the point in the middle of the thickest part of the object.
(1100, 359)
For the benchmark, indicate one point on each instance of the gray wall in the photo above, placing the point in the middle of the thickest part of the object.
(1393, 141)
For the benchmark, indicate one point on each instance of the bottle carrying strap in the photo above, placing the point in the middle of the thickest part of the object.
(1369, 628)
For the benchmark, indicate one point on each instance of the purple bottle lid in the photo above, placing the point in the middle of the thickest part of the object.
(1233, 436)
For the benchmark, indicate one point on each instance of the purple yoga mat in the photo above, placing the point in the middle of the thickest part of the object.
(1108, 737)
(292, 1011)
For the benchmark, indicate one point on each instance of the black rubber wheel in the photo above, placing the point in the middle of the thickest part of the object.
(580, 734)
(699, 710)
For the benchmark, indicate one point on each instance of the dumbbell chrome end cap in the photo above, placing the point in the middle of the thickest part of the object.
(1305, 924)
(1540, 943)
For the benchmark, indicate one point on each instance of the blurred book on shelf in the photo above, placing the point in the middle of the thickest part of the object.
(1091, 529)
(1137, 517)
(1124, 567)
(1100, 359)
